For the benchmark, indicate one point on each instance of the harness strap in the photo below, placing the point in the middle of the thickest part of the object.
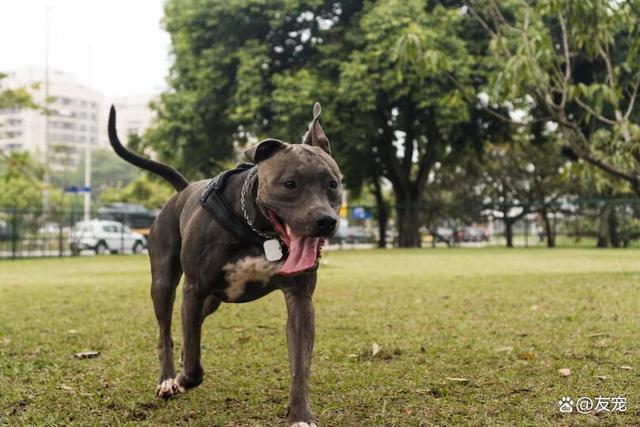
(213, 200)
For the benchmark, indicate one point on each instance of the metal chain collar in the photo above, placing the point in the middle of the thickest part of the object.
(243, 192)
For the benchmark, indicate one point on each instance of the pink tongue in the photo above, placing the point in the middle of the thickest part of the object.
(303, 253)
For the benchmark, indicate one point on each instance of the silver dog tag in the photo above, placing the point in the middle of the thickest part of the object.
(272, 250)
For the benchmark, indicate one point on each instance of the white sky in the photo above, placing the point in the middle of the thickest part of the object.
(129, 49)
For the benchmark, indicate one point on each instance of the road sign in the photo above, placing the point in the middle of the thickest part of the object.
(77, 189)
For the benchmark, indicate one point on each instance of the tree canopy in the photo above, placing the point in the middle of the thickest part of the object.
(391, 76)
(419, 94)
(577, 62)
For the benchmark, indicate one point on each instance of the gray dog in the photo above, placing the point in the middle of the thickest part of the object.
(237, 238)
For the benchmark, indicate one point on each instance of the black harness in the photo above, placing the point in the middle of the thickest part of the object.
(218, 206)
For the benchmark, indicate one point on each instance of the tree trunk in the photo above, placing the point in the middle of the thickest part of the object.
(408, 218)
(508, 232)
(603, 229)
(383, 213)
(548, 229)
(612, 222)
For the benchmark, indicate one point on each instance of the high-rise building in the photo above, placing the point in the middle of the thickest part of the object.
(75, 118)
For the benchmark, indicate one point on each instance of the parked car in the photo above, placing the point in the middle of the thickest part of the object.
(105, 237)
(473, 234)
(358, 235)
(444, 234)
(351, 234)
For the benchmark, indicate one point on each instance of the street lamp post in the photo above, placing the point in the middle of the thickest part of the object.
(87, 149)
(46, 177)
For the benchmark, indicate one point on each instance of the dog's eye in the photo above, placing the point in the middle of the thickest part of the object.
(291, 184)
(333, 184)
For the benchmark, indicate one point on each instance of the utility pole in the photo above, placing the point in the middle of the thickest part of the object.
(87, 149)
(46, 177)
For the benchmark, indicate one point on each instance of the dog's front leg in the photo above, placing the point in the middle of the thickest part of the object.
(300, 335)
(192, 303)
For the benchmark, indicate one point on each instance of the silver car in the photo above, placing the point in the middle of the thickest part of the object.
(104, 237)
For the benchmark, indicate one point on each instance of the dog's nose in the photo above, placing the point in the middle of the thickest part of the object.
(326, 223)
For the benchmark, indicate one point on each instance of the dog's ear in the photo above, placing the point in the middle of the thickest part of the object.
(263, 150)
(315, 135)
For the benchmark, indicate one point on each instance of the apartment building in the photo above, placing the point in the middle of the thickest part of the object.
(75, 118)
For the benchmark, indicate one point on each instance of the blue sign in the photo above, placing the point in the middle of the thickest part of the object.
(77, 189)
(360, 213)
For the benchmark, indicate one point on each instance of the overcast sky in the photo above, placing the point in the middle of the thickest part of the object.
(129, 49)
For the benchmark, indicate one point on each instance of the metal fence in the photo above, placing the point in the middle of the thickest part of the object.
(579, 222)
(28, 233)
(588, 222)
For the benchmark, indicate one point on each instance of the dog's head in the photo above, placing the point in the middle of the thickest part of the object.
(300, 191)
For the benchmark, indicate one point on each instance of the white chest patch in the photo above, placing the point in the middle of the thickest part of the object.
(248, 269)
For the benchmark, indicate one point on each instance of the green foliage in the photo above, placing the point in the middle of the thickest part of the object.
(20, 182)
(252, 69)
(21, 185)
(226, 56)
(107, 171)
(578, 62)
(14, 98)
(150, 193)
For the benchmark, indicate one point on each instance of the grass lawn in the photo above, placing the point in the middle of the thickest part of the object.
(467, 337)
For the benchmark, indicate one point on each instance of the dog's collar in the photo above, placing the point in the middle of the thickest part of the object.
(214, 201)
(243, 207)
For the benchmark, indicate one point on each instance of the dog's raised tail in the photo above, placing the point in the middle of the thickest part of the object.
(165, 171)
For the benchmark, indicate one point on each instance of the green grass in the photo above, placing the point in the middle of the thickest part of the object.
(504, 320)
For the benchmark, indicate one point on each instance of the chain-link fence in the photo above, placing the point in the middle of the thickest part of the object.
(580, 222)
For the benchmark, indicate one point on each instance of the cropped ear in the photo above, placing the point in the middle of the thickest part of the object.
(315, 135)
(263, 150)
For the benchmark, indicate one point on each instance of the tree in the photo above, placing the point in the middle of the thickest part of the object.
(383, 71)
(20, 176)
(21, 184)
(150, 193)
(14, 98)
(412, 110)
(454, 196)
(107, 171)
(604, 192)
(577, 63)
(524, 175)
(228, 57)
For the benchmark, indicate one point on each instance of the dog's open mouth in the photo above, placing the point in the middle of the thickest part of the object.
(304, 251)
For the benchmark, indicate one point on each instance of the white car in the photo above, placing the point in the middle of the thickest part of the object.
(105, 237)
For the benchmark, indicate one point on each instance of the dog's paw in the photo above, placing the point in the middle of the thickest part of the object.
(169, 388)
(303, 424)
